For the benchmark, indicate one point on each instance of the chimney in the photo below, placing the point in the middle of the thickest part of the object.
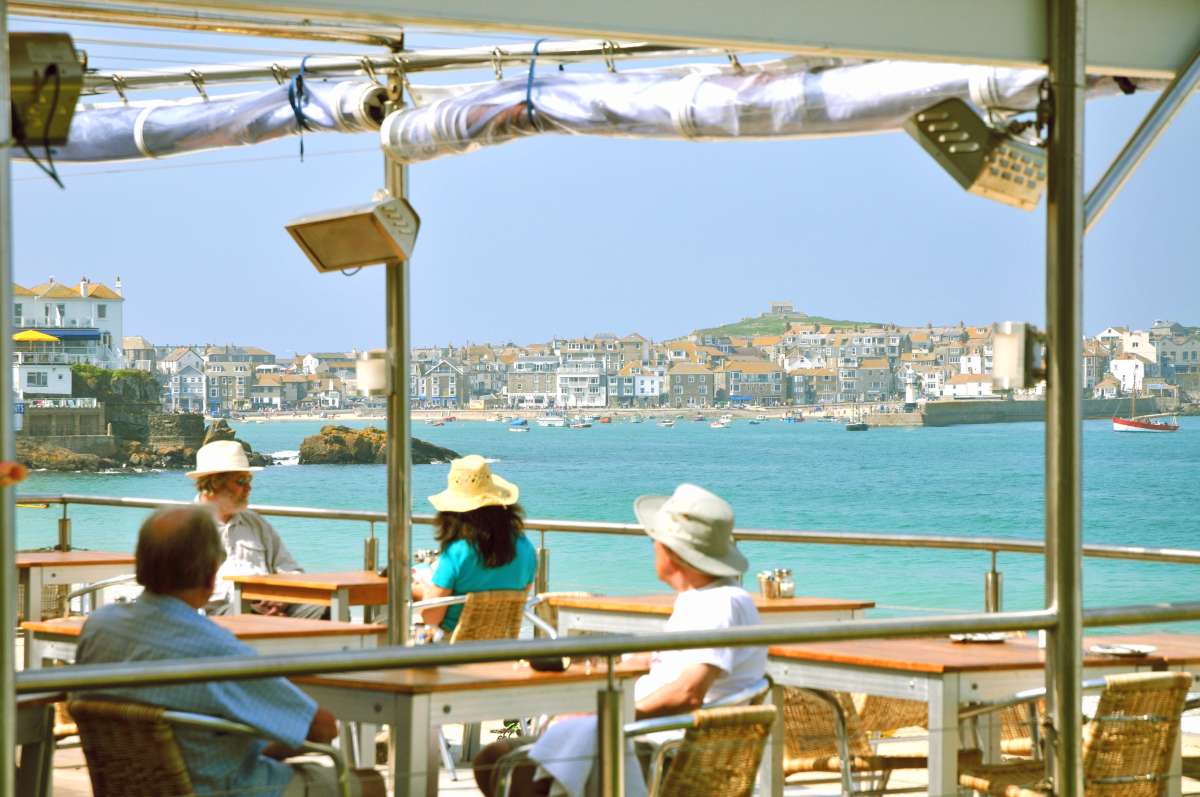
(83, 287)
(119, 287)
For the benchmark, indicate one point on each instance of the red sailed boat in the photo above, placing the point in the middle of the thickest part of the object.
(1144, 423)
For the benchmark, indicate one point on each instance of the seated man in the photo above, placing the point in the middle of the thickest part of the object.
(695, 555)
(178, 554)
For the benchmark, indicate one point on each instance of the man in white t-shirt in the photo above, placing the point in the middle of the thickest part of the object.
(695, 555)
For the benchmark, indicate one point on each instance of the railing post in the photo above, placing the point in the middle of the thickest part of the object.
(64, 530)
(542, 580)
(371, 551)
(610, 726)
(993, 588)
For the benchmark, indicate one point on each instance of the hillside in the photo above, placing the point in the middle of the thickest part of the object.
(771, 324)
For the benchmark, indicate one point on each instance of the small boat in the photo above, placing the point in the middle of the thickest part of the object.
(1145, 423)
(666, 423)
(726, 418)
(698, 417)
(857, 426)
(518, 428)
(580, 423)
(557, 421)
(790, 418)
(754, 422)
(719, 425)
(435, 422)
(760, 417)
(518, 423)
(605, 419)
(636, 419)
(679, 417)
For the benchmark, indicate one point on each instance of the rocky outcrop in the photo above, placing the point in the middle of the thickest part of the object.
(41, 456)
(177, 429)
(129, 398)
(341, 445)
(221, 430)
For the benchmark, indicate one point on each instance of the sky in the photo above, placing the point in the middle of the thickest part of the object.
(572, 236)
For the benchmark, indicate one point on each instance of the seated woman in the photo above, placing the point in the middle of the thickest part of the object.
(480, 531)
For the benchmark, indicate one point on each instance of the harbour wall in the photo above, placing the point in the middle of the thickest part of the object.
(954, 413)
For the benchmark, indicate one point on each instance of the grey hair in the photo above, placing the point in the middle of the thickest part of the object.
(178, 548)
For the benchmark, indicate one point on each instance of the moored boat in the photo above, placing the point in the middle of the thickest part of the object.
(719, 425)
(550, 419)
(1145, 423)
(666, 423)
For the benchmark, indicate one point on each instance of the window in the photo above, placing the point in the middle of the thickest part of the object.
(36, 379)
(691, 380)
(102, 311)
(17, 313)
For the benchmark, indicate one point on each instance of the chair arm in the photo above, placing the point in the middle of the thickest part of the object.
(433, 603)
(1192, 704)
(219, 724)
(505, 767)
(538, 622)
(1017, 698)
(96, 586)
(747, 696)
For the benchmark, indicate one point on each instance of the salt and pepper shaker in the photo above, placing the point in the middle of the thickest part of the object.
(768, 585)
(785, 584)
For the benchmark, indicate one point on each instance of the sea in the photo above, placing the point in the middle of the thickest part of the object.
(968, 481)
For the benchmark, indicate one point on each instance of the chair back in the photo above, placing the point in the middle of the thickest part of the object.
(548, 611)
(130, 750)
(718, 756)
(492, 614)
(1127, 745)
(810, 741)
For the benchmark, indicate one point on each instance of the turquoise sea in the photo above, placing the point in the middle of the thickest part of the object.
(983, 480)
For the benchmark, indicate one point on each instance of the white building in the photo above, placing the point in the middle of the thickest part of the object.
(650, 383)
(1141, 344)
(1130, 370)
(966, 386)
(582, 383)
(86, 318)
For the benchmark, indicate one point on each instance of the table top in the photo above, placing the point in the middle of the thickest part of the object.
(324, 581)
(942, 655)
(464, 677)
(72, 558)
(664, 602)
(243, 626)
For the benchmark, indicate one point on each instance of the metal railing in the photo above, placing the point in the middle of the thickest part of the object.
(994, 546)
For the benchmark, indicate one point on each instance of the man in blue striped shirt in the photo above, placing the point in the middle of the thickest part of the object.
(178, 554)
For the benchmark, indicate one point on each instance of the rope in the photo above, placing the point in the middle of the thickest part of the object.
(529, 83)
(298, 99)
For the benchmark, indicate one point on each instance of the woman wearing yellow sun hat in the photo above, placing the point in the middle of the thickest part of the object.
(480, 531)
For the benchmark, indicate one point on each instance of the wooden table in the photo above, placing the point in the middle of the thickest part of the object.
(36, 570)
(338, 591)
(647, 614)
(946, 675)
(415, 701)
(56, 639)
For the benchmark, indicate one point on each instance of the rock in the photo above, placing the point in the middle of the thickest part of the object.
(219, 430)
(46, 457)
(341, 445)
(177, 429)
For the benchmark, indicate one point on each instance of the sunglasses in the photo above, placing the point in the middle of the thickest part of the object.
(242, 481)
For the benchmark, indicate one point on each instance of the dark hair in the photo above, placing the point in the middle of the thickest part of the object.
(178, 548)
(491, 530)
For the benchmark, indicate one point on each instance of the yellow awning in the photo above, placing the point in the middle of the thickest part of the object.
(34, 336)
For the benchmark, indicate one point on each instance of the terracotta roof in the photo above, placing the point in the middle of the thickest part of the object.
(269, 380)
(98, 290)
(964, 379)
(752, 366)
(254, 350)
(875, 362)
(766, 340)
(55, 290)
(684, 367)
(177, 354)
(21, 291)
(136, 342)
(812, 372)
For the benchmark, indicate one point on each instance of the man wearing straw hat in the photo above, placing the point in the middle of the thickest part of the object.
(223, 478)
(695, 555)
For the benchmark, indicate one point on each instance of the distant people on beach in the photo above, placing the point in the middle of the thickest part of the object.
(480, 532)
(223, 478)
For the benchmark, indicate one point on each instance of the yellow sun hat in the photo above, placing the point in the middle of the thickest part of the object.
(471, 485)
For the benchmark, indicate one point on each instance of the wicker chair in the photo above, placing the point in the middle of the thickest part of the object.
(131, 749)
(545, 609)
(890, 714)
(718, 755)
(1126, 747)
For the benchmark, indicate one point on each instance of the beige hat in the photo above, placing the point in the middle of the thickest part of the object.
(221, 456)
(696, 525)
(472, 485)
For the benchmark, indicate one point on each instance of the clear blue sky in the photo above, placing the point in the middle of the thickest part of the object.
(571, 236)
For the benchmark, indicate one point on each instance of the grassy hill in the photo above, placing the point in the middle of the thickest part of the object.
(767, 324)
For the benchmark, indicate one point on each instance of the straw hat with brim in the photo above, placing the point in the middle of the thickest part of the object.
(471, 485)
(222, 456)
(696, 525)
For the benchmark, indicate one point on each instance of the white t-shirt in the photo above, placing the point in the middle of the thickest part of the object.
(719, 605)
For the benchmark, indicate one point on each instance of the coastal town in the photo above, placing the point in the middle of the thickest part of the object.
(783, 358)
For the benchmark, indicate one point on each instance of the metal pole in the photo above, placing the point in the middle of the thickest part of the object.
(1143, 139)
(8, 528)
(1064, 398)
(610, 726)
(399, 447)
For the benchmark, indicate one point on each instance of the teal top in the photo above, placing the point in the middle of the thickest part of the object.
(460, 570)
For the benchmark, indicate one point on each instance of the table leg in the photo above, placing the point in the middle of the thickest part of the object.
(943, 736)
(238, 605)
(770, 772)
(35, 734)
(33, 651)
(339, 605)
(1175, 769)
(414, 752)
(33, 594)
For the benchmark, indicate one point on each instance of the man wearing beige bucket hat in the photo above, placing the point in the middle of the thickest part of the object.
(223, 478)
(695, 555)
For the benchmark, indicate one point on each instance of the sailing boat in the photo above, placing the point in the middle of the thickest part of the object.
(1144, 423)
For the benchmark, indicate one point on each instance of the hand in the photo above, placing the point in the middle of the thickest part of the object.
(269, 608)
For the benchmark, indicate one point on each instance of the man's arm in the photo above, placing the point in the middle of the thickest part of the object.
(685, 693)
(322, 729)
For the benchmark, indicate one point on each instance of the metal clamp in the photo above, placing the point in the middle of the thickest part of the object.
(279, 73)
(735, 63)
(608, 49)
(498, 63)
(119, 85)
(198, 82)
(369, 69)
